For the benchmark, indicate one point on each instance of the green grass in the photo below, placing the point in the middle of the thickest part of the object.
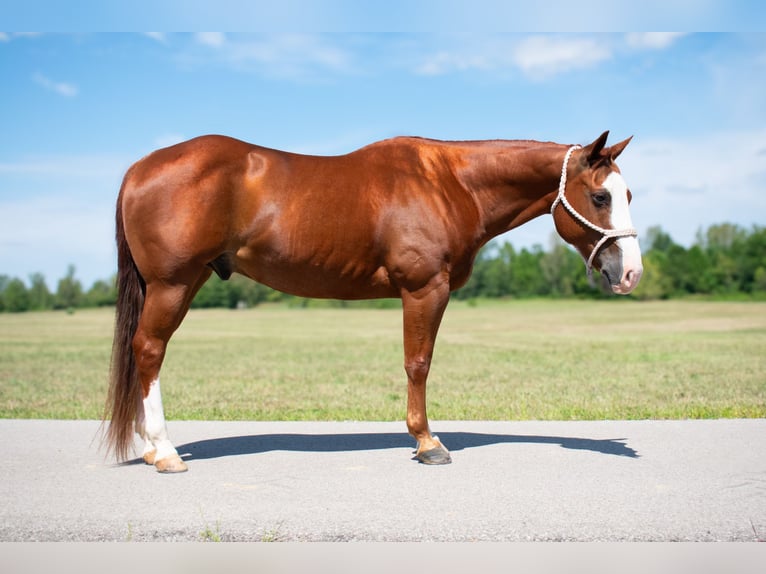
(497, 361)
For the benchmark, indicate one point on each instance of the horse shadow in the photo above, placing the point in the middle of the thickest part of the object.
(349, 442)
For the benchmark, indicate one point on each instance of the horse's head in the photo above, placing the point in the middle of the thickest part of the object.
(591, 213)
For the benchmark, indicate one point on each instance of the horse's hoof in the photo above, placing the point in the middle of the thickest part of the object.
(149, 456)
(437, 455)
(171, 464)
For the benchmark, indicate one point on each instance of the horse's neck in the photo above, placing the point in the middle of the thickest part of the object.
(513, 183)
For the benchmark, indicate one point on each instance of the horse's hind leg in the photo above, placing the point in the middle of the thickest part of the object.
(164, 308)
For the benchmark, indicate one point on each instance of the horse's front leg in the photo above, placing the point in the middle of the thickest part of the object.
(423, 310)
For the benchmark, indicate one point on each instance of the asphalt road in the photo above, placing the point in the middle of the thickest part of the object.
(298, 481)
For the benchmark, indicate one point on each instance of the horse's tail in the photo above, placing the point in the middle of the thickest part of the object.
(124, 387)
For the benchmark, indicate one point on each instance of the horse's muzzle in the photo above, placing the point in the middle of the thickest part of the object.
(629, 280)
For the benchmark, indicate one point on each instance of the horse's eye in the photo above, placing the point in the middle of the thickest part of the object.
(601, 198)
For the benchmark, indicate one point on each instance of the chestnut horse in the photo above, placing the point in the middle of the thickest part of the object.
(401, 218)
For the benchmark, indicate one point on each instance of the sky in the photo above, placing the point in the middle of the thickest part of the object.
(78, 108)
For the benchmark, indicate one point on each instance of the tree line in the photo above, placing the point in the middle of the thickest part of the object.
(725, 261)
(16, 295)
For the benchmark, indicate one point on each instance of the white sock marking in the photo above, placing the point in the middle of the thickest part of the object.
(154, 429)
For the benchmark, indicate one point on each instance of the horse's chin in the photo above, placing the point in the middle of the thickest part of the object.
(621, 290)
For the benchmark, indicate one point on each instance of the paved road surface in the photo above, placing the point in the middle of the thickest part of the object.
(296, 481)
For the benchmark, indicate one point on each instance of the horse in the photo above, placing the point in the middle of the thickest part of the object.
(400, 218)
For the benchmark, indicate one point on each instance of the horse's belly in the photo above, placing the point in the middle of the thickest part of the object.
(318, 277)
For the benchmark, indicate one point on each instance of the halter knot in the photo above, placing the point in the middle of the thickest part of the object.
(606, 234)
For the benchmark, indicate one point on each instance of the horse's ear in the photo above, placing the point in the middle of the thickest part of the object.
(591, 153)
(617, 148)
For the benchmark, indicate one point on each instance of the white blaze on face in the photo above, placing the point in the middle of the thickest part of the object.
(631, 252)
(153, 428)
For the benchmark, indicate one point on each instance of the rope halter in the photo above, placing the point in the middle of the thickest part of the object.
(606, 234)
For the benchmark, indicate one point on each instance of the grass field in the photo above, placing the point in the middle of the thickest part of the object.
(497, 361)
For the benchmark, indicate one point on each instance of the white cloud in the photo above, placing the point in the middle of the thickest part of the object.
(160, 37)
(652, 40)
(68, 167)
(61, 88)
(293, 56)
(8, 36)
(538, 57)
(444, 62)
(544, 56)
(213, 39)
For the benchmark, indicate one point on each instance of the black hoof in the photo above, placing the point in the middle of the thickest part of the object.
(436, 455)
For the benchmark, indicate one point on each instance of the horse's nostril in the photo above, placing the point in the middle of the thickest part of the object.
(632, 277)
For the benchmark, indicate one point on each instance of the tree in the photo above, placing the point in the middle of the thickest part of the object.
(654, 284)
(561, 267)
(721, 237)
(657, 239)
(526, 275)
(721, 244)
(15, 296)
(476, 284)
(759, 280)
(4, 279)
(495, 272)
(101, 294)
(40, 296)
(250, 293)
(676, 267)
(215, 293)
(69, 292)
(751, 256)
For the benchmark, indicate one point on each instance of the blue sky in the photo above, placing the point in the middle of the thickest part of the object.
(76, 109)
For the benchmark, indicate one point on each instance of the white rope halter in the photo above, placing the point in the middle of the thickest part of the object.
(605, 233)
